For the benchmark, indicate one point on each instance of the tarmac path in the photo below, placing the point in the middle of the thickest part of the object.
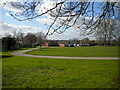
(21, 53)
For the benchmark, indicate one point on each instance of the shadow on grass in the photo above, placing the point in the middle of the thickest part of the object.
(5, 56)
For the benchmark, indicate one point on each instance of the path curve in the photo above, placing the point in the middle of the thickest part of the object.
(21, 53)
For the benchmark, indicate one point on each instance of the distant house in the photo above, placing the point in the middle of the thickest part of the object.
(45, 44)
(61, 45)
(65, 43)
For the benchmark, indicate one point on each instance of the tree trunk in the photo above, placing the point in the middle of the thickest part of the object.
(105, 41)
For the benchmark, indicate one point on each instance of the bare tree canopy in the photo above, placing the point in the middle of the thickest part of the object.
(40, 38)
(30, 39)
(85, 16)
(107, 31)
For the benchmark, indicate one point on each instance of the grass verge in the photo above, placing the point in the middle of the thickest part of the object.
(92, 51)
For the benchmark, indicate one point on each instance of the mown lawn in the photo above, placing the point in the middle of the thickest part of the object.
(27, 72)
(92, 51)
(7, 53)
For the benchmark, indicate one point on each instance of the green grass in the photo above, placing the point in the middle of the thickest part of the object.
(28, 72)
(95, 51)
(7, 53)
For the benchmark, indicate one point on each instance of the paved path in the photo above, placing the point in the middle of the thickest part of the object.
(21, 53)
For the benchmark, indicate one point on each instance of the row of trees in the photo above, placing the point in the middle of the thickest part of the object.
(84, 41)
(114, 42)
(18, 40)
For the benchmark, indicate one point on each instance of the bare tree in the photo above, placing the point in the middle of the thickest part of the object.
(40, 38)
(30, 39)
(85, 41)
(107, 31)
(68, 14)
(18, 35)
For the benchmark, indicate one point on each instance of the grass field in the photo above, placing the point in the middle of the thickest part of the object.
(27, 72)
(7, 53)
(95, 51)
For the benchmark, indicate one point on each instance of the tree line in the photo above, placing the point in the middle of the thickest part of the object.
(18, 40)
(84, 42)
